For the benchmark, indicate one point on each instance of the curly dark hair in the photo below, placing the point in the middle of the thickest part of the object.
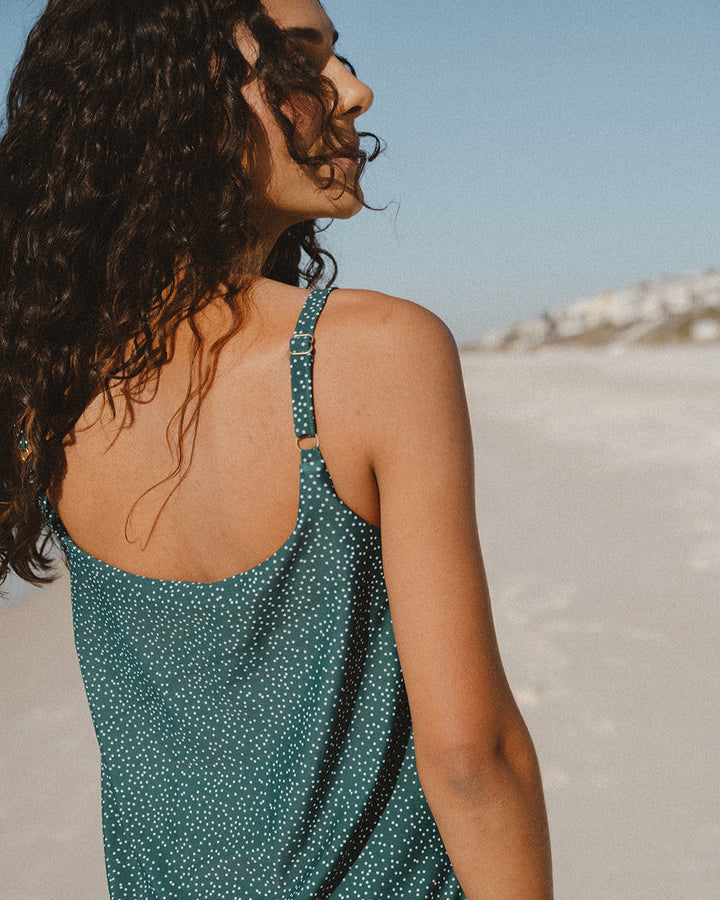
(124, 208)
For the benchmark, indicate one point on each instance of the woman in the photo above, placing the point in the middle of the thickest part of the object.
(289, 701)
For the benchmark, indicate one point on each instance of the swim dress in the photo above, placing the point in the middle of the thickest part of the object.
(255, 736)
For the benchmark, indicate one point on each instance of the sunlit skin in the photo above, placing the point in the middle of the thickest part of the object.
(287, 192)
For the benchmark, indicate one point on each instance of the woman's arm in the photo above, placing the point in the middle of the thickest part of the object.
(475, 759)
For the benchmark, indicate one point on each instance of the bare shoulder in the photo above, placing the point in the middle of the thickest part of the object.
(386, 323)
(402, 358)
(397, 352)
(364, 323)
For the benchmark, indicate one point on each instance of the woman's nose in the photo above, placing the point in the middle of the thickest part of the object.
(354, 96)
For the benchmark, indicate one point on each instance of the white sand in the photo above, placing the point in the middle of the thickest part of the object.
(50, 826)
(598, 480)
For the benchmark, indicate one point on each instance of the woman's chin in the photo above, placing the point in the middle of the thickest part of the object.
(350, 204)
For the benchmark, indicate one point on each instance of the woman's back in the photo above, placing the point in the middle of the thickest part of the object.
(254, 731)
(239, 500)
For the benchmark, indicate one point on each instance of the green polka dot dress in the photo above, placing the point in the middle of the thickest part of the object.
(254, 732)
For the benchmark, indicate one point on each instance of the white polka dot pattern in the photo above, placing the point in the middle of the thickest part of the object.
(254, 732)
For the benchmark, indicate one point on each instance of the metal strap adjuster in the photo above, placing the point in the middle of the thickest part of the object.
(302, 352)
(303, 437)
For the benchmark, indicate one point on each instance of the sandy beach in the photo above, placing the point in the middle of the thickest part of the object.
(598, 493)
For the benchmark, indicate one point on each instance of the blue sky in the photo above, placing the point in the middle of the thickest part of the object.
(538, 152)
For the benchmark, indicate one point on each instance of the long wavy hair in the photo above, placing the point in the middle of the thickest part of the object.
(124, 209)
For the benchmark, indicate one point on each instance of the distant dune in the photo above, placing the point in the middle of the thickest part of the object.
(685, 309)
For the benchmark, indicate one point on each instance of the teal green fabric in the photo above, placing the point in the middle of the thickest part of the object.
(254, 732)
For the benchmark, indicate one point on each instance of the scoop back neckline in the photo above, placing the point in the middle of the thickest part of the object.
(236, 576)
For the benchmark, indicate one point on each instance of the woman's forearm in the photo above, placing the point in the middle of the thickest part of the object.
(494, 826)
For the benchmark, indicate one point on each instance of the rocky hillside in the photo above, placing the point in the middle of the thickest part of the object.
(665, 310)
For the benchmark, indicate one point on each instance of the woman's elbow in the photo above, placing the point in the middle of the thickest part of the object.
(479, 770)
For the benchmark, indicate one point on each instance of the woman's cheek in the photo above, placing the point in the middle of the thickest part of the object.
(306, 115)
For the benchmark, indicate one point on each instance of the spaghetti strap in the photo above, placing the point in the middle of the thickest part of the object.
(302, 351)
